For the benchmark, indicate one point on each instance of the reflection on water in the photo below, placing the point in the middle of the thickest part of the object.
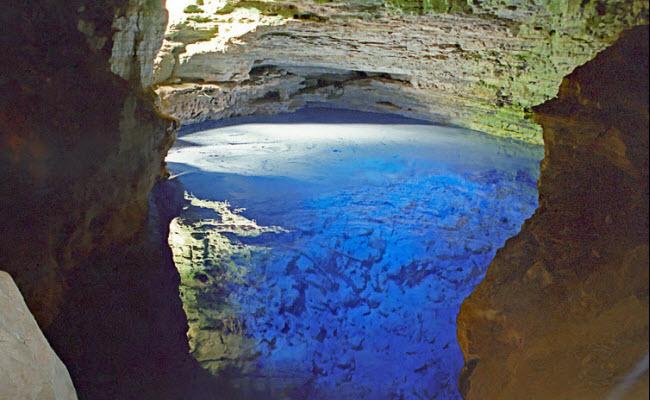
(329, 260)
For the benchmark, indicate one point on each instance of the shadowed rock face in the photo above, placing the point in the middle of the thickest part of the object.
(122, 329)
(81, 147)
(563, 310)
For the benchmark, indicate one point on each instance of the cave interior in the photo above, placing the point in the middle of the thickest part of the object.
(324, 199)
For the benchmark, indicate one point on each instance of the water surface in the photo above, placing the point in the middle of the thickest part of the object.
(325, 254)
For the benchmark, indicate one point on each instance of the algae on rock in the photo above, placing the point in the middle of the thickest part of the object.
(477, 65)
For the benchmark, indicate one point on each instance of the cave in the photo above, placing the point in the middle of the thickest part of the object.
(372, 199)
(318, 248)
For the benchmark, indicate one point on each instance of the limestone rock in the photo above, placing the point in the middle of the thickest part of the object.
(563, 310)
(29, 368)
(482, 66)
(139, 28)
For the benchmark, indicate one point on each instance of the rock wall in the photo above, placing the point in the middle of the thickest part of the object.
(81, 146)
(122, 331)
(563, 310)
(29, 368)
(480, 65)
(138, 30)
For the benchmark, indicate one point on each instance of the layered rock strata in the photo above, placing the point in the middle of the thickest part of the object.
(563, 310)
(480, 65)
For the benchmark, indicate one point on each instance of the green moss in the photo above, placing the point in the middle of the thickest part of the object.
(199, 19)
(429, 6)
(508, 121)
(188, 34)
(287, 11)
(193, 9)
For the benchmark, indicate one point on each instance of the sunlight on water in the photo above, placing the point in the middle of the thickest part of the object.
(325, 254)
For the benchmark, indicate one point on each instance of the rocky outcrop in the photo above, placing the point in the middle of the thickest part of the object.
(480, 65)
(29, 368)
(138, 30)
(122, 329)
(81, 146)
(563, 310)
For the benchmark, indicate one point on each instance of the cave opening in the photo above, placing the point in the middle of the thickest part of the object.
(325, 253)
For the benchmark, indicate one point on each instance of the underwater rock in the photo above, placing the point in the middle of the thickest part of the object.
(355, 297)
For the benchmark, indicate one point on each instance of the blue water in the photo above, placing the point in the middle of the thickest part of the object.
(378, 228)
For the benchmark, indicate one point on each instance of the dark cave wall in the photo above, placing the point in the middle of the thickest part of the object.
(563, 310)
(81, 146)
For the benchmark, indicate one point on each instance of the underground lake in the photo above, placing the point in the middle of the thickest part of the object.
(324, 254)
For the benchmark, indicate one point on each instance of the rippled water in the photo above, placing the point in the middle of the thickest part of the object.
(325, 254)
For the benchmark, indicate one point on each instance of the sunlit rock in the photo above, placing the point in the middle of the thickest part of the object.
(480, 65)
(29, 368)
(138, 29)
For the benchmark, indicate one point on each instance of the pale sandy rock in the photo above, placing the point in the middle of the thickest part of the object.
(482, 70)
(29, 368)
(138, 33)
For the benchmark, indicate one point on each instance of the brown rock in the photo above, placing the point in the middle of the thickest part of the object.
(571, 290)
(80, 147)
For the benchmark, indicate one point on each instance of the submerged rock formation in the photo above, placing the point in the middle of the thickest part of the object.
(29, 368)
(479, 65)
(385, 230)
(563, 310)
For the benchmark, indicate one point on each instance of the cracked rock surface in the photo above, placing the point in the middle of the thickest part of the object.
(481, 66)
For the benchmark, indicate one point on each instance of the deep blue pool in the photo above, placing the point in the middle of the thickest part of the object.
(325, 254)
